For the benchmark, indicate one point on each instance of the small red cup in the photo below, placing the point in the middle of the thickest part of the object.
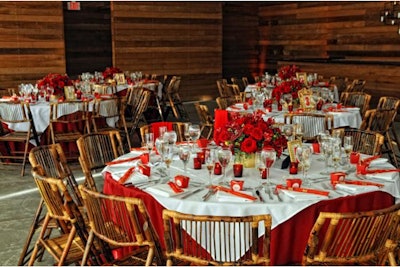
(197, 163)
(337, 177)
(145, 170)
(361, 168)
(293, 182)
(217, 169)
(201, 155)
(354, 157)
(144, 158)
(290, 108)
(237, 185)
(339, 105)
(238, 170)
(182, 181)
(315, 147)
(293, 168)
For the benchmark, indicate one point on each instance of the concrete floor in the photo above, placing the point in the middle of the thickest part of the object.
(19, 200)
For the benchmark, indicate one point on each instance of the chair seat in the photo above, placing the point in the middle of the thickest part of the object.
(14, 136)
(57, 245)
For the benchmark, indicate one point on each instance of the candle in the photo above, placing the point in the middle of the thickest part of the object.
(217, 169)
(293, 167)
(196, 163)
(238, 170)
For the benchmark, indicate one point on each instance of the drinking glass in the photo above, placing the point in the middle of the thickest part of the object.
(336, 154)
(167, 156)
(170, 137)
(149, 142)
(184, 155)
(327, 150)
(162, 130)
(299, 131)
(194, 132)
(210, 163)
(287, 131)
(268, 155)
(348, 148)
(320, 138)
(260, 164)
(224, 157)
(159, 143)
(186, 132)
(306, 163)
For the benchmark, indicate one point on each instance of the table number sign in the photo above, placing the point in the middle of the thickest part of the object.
(69, 92)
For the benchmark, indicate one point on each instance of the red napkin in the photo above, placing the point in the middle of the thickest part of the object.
(232, 192)
(221, 119)
(122, 161)
(155, 126)
(126, 175)
(304, 190)
(382, 171)
(369, 159)
(175, 188)
(362, 183)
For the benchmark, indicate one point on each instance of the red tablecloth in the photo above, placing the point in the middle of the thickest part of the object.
(289, 239)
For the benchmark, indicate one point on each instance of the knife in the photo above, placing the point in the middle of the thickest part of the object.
(259, 196)
(209, 194)
(183, 196)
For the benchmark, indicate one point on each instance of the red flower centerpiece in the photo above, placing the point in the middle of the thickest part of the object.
(109, 72)
(247, 134)
(288, 84)
(55, 81)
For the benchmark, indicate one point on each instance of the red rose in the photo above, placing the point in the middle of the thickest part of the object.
(249, 145)
(247, 129)
(257, 133)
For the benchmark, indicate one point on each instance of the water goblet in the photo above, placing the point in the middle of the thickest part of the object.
(224, 157)
(299, 131)
(167, 156)
(149, 142)
(306, 157)
(170, 137)
(186, 133)
(336, 154)
(194, 132)
(287, 131)
(269, 157)
(210, 163)
(348, 148)
(260, 164)
(184, 155)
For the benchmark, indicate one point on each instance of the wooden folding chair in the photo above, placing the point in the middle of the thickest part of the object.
(356, 99)
(206, 120)
(357, 238)
(138, 100)
(95, 150)
(224, 240)
(365, 142)
(121, 222)
(19, 115)
(68, 246)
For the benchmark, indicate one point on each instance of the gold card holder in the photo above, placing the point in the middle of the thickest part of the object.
(120, 78)
(292, 145)
(69, 93)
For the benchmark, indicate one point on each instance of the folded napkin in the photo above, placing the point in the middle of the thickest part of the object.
(378, 162)
(302, 195)
(127, 161)
(355, 189)
(223, 196)
(126, 176)
(164, 190)
(387, 176)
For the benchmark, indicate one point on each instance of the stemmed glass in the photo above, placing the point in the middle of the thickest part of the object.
(320, 138)
(210, 163)
(167, 156)
(299, 131)
(303, 155)
(260, 164)
(170, 137)
(224, 157)
(336, 154)
(348, 148)
(268, 155)
(287, 131)
(149, 142)
(327, 150)
(186, 132)
(184, 155)
(194, 132)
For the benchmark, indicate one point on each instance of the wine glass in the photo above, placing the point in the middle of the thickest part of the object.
(170, 137)
(268, 155)
(186, 132)
(149, 141)
(224, 157)
(184, 155)
(260, 164)
(348, 148)
(336, 154)
(299, 131)
(327, 150)
(167, 156)
(194, 132)
(287, 131)
(320, 138)
(210, 163)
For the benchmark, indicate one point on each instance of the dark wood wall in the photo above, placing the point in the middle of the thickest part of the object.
(31, 41)
(333, 39)
(174, 38)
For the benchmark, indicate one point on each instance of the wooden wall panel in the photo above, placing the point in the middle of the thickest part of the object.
(31, 41)
(334, 39)
(175, 38)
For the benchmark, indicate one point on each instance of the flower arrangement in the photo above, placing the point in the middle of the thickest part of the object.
(109, 72)
(250, 133)
(56, 81)
(288, 84)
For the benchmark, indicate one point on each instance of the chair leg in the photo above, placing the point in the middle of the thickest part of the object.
(87, 248)
(391, 153)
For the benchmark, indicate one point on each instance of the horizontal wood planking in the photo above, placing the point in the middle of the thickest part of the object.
(32, 41)
(177, 38)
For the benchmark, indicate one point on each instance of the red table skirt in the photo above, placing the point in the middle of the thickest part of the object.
(289, 239)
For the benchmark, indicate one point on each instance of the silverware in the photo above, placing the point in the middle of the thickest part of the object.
(209, 194)
(259, 196)
(268, 191)
(183, 196)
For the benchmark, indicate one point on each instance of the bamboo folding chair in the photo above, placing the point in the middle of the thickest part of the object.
(356, 99)
(121, 222)
(365, 142)
(357, 238)
(313, 123)
(206, 120)
(224, 240)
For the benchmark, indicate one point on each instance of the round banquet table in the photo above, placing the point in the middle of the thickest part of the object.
(289, 235)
